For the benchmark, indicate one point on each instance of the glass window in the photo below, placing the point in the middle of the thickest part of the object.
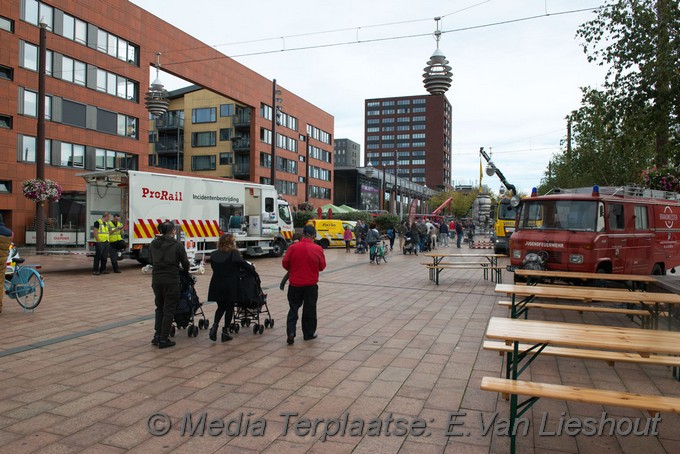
(5, 121)
(111, 84)
(100, 158)
(641, 218)
(122, 49)
(110, 159)
(81, 31)
(46, 15)
(69, 24)
(30, 103)
(204, 115)
(66, 154)
(31, 12)
(67, 69)
(102, 40)
(615, 215)
(226, 159)
(6, 73)
(101, 80)
(120, 125)
(6, 24)
(132, 54)
(131, 127)
(30, 60)
(131, 90)
(121, 83)
(48, 107)
(79, 73)
(205, 162)
(28, 149)
(48, 62)
(225, 134)
(203, 139)
(78, 156)
(226, 110)
(112, 49)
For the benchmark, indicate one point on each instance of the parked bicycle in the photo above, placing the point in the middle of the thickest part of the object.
(23, 283)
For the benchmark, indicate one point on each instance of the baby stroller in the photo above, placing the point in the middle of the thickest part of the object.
(428, 244)
(252, 303)
(188, 307)
(408, 248)
(361, 244)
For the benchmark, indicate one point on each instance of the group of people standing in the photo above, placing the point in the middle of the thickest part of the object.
(303, 261)
(429, 235)
(108, 237)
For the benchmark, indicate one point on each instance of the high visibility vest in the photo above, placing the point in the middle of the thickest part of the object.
(103, 233)
(113, 237)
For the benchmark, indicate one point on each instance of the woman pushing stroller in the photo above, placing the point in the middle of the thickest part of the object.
(225, 262)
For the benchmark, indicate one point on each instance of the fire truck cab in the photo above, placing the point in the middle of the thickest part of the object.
(623, 230)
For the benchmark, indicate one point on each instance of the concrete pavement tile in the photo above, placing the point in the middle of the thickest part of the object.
(79, 405)
(365, 373)
(128, 437)
(91, 435)
(31, 442)
(102, 449)
(58, 448)
(316, 392)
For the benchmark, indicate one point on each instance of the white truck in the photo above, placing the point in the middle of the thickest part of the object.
(204, 208)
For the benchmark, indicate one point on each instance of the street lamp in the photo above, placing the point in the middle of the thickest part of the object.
(276, 113)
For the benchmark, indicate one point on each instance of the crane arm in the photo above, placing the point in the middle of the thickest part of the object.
(442, 206)
(500, 175)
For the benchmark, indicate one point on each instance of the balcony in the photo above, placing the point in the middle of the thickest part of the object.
(241, 172)
(169, 147)
(240, 145)
(241, 120)
(163, 123)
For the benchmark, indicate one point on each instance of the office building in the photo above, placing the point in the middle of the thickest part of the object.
(347, 153)
(416, 132)
(98, 61)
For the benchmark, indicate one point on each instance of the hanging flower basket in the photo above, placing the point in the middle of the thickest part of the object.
(40, 191)
(663, 178)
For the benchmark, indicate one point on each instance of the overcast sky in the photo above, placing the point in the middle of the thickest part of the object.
(513, 83)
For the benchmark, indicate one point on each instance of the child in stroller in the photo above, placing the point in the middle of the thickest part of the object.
(408, 248)
(188, 307)
(251, 304)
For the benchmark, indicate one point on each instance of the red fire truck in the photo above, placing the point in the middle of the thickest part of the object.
(624, 230)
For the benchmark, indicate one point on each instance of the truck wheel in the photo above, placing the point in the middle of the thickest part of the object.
(657, 270)
(278, 248)
(324, 243)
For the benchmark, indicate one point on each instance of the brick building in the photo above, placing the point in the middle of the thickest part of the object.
(418, 130)
(97, 65)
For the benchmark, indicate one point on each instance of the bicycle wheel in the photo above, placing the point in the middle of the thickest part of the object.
(27, 288)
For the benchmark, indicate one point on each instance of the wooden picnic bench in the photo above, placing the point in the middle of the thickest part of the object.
(637, 281)
(528, 339)
(522, 295)
(488, 263)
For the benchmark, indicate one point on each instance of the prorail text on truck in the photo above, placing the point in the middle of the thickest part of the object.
(162, 195)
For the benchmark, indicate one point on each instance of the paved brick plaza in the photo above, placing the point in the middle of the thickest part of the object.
(79, 374)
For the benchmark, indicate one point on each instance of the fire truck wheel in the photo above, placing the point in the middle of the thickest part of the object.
(657, 270)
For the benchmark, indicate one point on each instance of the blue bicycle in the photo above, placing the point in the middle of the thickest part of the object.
(23, 283)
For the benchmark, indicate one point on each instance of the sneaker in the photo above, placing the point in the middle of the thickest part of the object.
(156, 339)
(117, 271)
(166, 343)
(96, 273)
(290, 340)
(104, 272)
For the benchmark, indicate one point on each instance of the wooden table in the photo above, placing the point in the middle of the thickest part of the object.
(541, 334)
(437, 259)
(638, 281)
(528, 293)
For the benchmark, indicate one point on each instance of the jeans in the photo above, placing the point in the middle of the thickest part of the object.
(305, 297)
(459, 239)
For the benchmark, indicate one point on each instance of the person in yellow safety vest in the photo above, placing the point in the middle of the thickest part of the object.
(115, 235)
(100, 233)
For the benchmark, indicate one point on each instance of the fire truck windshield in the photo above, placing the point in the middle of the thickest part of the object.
(575, 215)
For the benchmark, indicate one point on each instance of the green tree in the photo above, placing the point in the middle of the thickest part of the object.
(460, 205)
(632, 122)
(639, 42)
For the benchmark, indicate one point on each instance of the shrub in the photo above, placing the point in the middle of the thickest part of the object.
(663, 178)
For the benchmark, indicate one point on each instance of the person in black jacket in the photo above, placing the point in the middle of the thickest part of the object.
(166, 254)
(226, 262)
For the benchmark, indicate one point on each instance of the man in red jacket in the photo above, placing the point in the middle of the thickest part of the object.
(303, 261)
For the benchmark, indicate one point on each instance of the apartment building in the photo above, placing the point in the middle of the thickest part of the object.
(414, 131)
(98, 61)
(347, 153)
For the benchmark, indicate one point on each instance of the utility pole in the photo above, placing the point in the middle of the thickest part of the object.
(569, 139)
(40, 145)
(273, 175)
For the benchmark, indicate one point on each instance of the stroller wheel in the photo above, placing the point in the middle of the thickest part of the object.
(271, 323)
(200, 324)
(266, 323)
(261, 329)
(206, 324)
(236, 328)
(256, 328)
